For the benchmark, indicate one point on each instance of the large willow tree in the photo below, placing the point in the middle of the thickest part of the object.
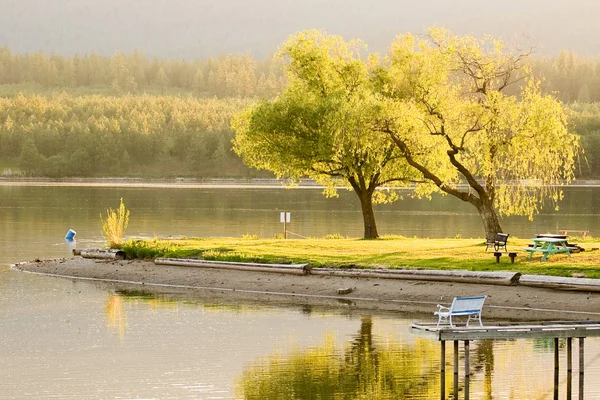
(451, 118)
(322, 125)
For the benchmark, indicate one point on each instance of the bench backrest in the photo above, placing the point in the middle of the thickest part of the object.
(501, 238)
(467, 304)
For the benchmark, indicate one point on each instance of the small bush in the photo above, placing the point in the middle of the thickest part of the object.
(143, 249)
(113, 227)
(250, 236)
(334, 236)
(151, 249)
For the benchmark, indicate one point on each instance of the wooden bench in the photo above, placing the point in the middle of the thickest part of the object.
(461, 306)
(498, 254)
(498, 242)
(566, 232)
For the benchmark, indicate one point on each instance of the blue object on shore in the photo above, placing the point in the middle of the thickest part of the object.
(70, 235)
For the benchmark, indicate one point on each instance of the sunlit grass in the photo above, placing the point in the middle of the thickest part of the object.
(387, 252)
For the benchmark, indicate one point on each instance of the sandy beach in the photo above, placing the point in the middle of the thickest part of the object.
(518, 303)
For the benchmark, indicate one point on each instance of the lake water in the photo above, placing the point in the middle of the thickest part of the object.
(67, 339)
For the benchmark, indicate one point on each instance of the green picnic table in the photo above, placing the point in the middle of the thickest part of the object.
(547, 245)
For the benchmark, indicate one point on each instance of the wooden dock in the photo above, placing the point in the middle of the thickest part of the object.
(554, 329)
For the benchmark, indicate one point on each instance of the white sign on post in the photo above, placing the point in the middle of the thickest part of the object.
(285, 218)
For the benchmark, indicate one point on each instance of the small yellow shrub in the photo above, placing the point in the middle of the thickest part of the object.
(113, 227)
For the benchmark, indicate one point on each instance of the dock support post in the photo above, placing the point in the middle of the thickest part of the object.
(455, 369)
(581, 368)
(467, 371)
(443, 370)
(556, 368)
(569, 367)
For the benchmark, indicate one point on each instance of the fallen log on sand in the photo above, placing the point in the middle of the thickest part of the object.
(114, 254)
(295, 269)
(558, 282)
(491, 278)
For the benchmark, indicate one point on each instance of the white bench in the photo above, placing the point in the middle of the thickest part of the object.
(461, 306)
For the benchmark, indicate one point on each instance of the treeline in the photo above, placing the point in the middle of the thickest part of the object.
(584, 118)
(159, 136)
(571, 77)
(225, 76)
(141, 135)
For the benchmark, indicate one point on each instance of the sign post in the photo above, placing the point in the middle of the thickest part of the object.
(285, 217)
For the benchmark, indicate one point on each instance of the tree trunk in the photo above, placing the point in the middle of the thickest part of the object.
(491, 222)
(366, 205)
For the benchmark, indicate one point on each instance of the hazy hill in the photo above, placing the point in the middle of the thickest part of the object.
(201, 28)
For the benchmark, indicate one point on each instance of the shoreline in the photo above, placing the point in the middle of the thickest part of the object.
(507, 303)
(186, 182)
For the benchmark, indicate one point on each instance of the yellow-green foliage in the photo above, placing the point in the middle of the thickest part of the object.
(113, 227)
(461, 125)
(226, 75)
(365, 369)
(65, 135)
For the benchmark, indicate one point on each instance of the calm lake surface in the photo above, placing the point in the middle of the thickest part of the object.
(68, 339)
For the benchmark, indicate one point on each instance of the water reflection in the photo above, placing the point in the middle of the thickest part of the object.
(484, 360)
(117, 302)
(116, 316)
(63, 339)
(364, 369)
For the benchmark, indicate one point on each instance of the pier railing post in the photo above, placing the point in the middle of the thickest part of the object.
(455, 387)
(569, 367)
(467, 370)
(581, 368)
(556, 368)
(443, 370)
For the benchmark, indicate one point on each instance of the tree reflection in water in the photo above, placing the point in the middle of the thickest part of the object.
(365, 369)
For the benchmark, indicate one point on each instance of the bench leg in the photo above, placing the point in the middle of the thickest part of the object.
(512, 257)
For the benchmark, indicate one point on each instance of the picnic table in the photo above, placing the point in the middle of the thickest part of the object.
(548, 245)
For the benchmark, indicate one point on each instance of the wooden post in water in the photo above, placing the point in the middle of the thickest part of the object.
(455, 369)
(555, 368)
(569, 367)
(581, 368)
(443, 370)
(467, 371)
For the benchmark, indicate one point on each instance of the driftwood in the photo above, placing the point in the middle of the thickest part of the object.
(564, 283)
(114, 254)
(295, 269)
(493, 278)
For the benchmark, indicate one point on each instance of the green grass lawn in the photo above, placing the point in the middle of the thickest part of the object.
(387, 252)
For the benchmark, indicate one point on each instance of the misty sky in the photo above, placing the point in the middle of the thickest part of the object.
(201, 28)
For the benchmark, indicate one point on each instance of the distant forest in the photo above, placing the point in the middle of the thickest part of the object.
(572, 78)
(128, 115)
(225, 76)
